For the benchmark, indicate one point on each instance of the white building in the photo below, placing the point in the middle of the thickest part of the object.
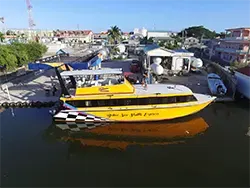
(161, 34)
(142, 32)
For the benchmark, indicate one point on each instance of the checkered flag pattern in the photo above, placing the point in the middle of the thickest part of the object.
(73, 126)
(74, 116)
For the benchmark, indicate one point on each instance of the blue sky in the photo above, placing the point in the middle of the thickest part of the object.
(99, 15)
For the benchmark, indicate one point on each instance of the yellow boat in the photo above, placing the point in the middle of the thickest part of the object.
(112, 98)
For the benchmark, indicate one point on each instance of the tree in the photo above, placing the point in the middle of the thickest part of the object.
(145, 40)
(9, 32)
(1, 37)
(35, 50)
(114, 35)
(198, 32)
(222, 35)
(169, 44)
(7, 57)
(18, 54)
(20, 51)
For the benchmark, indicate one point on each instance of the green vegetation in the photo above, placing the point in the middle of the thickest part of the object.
(237, 65)
(169, 44)
(198, 32)
(19, 54)
(114, 35)
(145, 40)
(1, 37)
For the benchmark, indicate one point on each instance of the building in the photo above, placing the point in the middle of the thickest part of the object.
(161, 34)
(34, 32)
(142, 32)
(81, 36)
(172, 61)
(190, 41)
(125, 35)
(100, 37)
(235, 46)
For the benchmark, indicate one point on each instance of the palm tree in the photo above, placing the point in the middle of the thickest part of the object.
(1, 37)
(114, 35)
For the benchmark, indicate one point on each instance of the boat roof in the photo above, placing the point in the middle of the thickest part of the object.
(162, 89)
(91, 72)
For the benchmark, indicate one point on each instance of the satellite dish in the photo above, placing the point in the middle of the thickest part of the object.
(197, 63)
(121, 48)
(157, 60)
(157, 69)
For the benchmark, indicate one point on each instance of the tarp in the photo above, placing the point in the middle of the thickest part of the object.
(78, 66)
(43, 66)
(95, 61)
(39, 66)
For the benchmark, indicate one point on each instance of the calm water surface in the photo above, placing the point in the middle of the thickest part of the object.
(208, 149)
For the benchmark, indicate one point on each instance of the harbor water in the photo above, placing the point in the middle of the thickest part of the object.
(208, 149)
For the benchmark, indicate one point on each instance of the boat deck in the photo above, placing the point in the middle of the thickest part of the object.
(161, 89)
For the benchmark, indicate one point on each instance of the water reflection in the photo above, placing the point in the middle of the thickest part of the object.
(120, 136)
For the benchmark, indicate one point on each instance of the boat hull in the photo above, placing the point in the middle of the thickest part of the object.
(132, 114)
(243, 84)
(214, 83)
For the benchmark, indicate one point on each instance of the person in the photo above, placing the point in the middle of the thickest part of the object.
(54, 90)
(145, 79)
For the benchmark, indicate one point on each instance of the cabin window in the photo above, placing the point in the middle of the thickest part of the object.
(154, 100)
(171, 100)
(181, 99)
(130, 102)
(143, 101)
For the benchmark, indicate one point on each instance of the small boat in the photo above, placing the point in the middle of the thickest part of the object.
(106, 96)
(216, 85)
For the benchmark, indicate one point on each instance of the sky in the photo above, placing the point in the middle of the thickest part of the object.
(99, 15)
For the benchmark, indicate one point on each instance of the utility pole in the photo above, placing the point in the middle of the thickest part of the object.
(2, 21)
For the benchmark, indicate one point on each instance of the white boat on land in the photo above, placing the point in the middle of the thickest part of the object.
(243, 81)
(216, 85)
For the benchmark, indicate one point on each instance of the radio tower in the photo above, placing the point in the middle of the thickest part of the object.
(31, 21)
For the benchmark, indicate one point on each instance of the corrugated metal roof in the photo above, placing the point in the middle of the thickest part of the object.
(150, 47)
(182, 51)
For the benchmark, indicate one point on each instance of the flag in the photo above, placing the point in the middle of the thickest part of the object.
(2, 19)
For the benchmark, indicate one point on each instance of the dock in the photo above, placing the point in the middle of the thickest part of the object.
(35, 88)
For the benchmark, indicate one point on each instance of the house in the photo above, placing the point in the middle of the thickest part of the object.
(191, 41)
(81, 36)
(174, 61)
(235, 46)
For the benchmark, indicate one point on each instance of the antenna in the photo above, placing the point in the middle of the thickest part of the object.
(30, 19)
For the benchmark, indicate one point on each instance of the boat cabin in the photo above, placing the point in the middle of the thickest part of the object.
(109, 88)
(92, 82)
